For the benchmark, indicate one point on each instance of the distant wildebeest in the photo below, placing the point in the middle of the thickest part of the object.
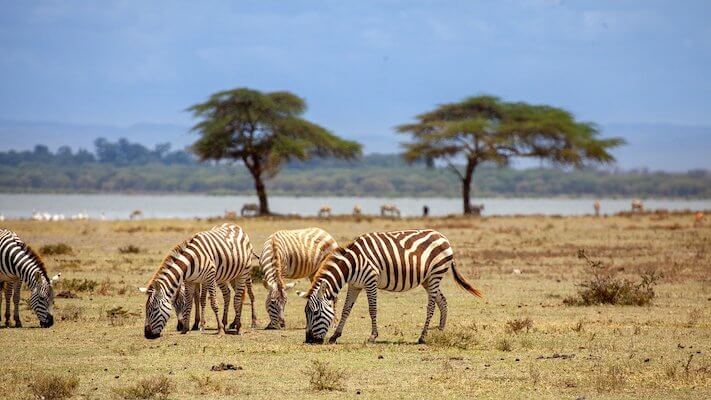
(596, 206)
(476, 209)
(425, 211)
(250, 209)
(389, 210)
(637, 206)
(135, 214)
(324, 212)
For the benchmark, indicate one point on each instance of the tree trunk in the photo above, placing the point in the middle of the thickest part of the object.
(467, 186)
(256, 170)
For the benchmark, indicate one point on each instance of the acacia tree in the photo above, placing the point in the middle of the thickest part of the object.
(263, 131)
(486, 129)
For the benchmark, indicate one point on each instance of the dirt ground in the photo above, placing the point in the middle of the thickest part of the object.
(525, 266)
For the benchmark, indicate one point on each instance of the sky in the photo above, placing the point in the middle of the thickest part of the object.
(74, 70)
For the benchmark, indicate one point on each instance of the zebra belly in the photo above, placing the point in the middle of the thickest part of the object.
(401, 279)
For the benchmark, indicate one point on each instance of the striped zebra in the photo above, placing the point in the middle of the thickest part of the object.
(20, 264)
(394, 261)
(292, 254)
(12, 293)
(221, 254)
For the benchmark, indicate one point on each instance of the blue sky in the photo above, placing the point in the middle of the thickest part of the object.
(363, 66)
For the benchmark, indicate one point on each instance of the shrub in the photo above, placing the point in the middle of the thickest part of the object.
(257, 274)
(605, 288)
(517, 325)
(504, 345)
(613, 379)
(322, 376)
(129, 249)
(71, 312)
(52, 386)
(460, 337)
(77, 285)
(56, 249)
(158, 387)
(118, 316)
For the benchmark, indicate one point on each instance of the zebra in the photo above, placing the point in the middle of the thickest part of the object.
(220, 254)
(292, 254)
(12, 288)
(389, 210)
(20, 264)
(394, 261)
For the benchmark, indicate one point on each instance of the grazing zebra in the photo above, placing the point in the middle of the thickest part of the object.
(389, 210)
(250, 209)
(393, 261)
(324, 212)
(20, 264)
(221, 254)
(292, 254)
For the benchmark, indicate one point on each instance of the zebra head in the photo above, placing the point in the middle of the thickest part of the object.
(319, 316)
(42, 299)
(158, 307)
(275, 304)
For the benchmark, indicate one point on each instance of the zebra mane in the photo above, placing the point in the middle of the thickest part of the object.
(174, 253)
(322, 268)
(34, 257)
(277, 266)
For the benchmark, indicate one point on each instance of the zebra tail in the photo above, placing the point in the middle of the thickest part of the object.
(256, 256)
(464, 284)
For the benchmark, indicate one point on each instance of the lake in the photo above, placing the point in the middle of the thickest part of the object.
(119, 206)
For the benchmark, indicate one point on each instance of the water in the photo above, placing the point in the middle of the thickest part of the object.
(119, 206)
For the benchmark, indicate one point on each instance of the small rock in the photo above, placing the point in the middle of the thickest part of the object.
(380, 357)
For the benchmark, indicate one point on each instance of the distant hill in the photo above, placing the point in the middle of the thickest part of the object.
(666, 147)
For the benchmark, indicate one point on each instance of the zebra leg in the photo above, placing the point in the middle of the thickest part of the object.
(225, 289)
(190, 291)
(215, 308)
(239, 293)
(203, 302)
(351, 298)
(195, 298)
(16, 303)
(372, 292)
(7, 286)
(442, 305)
(250, 292)
(431, 296)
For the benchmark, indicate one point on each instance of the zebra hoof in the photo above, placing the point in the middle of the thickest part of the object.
(18, 324)
(421, 340)
(371, 339)
(195, 327)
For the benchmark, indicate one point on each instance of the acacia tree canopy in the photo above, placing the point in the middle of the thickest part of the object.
(487, 129)
(262, 130)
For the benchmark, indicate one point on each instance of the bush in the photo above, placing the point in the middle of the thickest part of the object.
(460, 337)
(158, 387)
(517, 325)
(322, 376)
(52, 387)
(504, 345)
(71, 312)
(77, 285)
(605, 288)
(257, 274)
(129, 249)
(56, 249)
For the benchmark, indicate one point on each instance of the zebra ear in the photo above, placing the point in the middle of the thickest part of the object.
(142, 289)
(56, 277)
(289, 286)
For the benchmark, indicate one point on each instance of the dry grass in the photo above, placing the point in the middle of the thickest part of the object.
(156, 387)
(56, 249)
(323, 376)
(648, 352)
(52, 386)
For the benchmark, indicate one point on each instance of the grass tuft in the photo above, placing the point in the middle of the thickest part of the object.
(56, 249)
(52, 386)
(461, 337)
(71, 312)
(604, 287)
(504, 345)
(323, 376)
(77, 285)
(158, 387)
(129, 249)
(517, 325)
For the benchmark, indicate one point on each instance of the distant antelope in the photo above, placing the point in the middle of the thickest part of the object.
(637, 206)
(596, 206)
(324, 212)
(135, 214)
(357, 211)
(476, 209)
(389, 210)
(250, 209)
(698, 218)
